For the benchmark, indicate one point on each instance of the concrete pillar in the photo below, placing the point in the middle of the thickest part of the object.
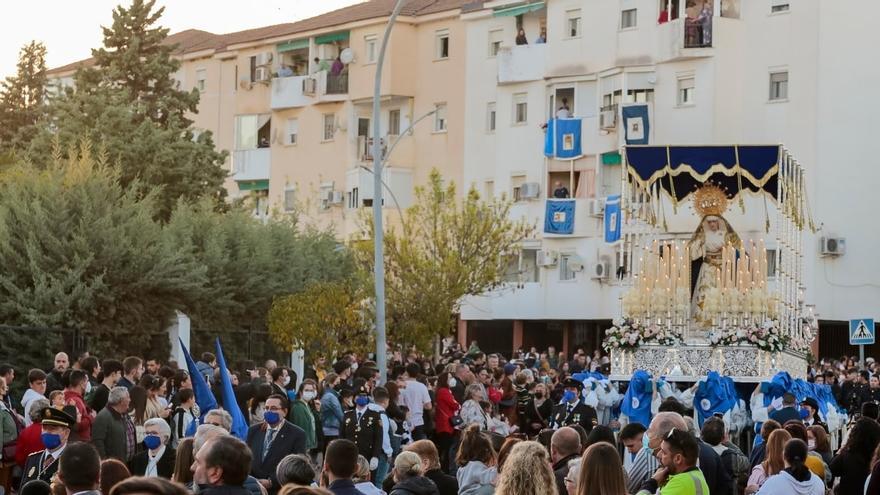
(179, 330)
(462, 333)
(517, 334)
(297, 364)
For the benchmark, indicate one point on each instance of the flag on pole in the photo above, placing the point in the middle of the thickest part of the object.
(636, 123)
(612, 218)
(204, 398)
(239, 425)
(563, 139)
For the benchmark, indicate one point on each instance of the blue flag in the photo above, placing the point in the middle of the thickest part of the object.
(636, 125)
(637, 402)
(239, 425)
(204, 398)
(563, 139)
(612, 218)
(559, 216)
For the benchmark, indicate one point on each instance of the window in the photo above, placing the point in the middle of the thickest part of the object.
(777, 6)
(516, 185)
(371, 43)
(489, 189)
(779, 85)
(495, 39)
(329, 126)
(520, 108)
(253, 68)
(353, 198)
(252, 131)
(261, 203)
(528, 265)
(441, 44)
(628, 18)
(490, 117)
(610, 99)
(289, 199)
(686, 91)
(565, 273)
(440, 118)
(573, 23)
(394, 122)
(201, 80)
(292, 131)
(640, 95)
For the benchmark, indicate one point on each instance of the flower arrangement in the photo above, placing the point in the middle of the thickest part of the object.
(766, 337)
(629, 334)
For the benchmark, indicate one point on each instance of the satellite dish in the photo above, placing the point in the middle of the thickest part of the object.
(347, 56)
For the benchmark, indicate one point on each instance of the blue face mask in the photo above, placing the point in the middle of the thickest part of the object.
(152, 442)
(271, 417)
(804, 413)
(51, 440)
(568, 396)
(361, 400)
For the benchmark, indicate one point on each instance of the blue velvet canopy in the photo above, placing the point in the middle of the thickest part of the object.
(681, 170)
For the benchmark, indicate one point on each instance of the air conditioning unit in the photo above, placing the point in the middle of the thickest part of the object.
(530, 190)
(336, 197)
(547, 258)
(597, 207)
(310, 85)
(262, 74)
(608, 119)
(832, 246)
(264, 59)
(601, 270)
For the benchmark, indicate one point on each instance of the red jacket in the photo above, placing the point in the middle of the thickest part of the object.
(83, 431)
(29, 441)
(446, 409)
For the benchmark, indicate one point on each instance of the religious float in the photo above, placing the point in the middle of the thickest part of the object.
(711, 297)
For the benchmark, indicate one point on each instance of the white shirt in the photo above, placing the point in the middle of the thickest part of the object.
(152, 461)
(563, 113)
(30, 395)
(414, 397)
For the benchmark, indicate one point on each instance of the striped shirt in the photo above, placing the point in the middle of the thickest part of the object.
(643, 467)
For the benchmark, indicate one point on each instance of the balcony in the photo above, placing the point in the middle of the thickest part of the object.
(365, 148)
(682, 39)
(359, 187)
(336, 85)
(521, 63)
(251, 165)
(291, 92)
(587, 218)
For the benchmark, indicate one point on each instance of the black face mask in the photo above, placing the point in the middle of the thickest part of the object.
(539, 395)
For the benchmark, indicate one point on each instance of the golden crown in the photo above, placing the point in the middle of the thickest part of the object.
(710, 199)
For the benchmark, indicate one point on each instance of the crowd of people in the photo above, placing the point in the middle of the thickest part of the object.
(464, 423)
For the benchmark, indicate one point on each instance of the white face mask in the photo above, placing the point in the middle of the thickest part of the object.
(286, 381)
(811, 444)
(309, 395)
(354, 366)
(88, 387)
(451, 382)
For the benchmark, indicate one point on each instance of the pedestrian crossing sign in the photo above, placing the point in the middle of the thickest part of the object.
(861, 331)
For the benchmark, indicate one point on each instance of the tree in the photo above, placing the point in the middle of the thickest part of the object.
(443, 251)
(129, 102)
(23, 96)
(325, 319)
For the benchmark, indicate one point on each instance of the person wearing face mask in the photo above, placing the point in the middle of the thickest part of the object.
(572, 410)
(272, 440)
(158, 459)
(538, 410)
(56, 426)
(78, 386)
(280, 380)
(363, 426)
(447, 409)
(301, 412)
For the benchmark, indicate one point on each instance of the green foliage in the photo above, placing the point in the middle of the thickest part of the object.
(445, 250)
(23, 96)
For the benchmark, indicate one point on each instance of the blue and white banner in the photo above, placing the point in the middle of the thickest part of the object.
(636, 123)
(559, 216)
(563, 139)
(612, 218)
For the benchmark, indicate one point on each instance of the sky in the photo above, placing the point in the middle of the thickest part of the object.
(70, 29)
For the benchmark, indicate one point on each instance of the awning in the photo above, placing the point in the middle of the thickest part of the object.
(611, 158)
(292, 45)
(253, 185)
(518, 10)
(326, 39)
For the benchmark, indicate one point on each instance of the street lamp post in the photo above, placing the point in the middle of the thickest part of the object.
(378, 237)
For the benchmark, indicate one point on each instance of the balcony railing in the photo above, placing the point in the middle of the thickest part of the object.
(250, 165)
(337, 84)
(289, 92)
(697, 34)
(521, 63)
(365, 148)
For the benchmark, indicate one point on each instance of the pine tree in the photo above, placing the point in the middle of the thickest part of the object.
(23, 96)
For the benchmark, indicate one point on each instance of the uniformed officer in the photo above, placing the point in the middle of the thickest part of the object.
(363, 426)
(56, 425)
(571, 409)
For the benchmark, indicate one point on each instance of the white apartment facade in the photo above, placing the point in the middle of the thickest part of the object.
(773, 71)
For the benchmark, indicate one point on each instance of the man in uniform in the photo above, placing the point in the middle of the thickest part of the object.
(56, 425)
(572, 410)
(363, 426)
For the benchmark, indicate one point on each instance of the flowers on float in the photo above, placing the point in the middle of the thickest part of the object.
(629, 334)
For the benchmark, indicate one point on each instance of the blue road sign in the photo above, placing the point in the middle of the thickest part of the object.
(861, 331)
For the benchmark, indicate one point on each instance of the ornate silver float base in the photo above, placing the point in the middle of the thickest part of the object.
(743, 363)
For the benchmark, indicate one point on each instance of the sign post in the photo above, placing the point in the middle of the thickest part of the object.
(861, 333)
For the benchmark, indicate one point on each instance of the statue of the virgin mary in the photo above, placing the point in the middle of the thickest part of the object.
(711, 236)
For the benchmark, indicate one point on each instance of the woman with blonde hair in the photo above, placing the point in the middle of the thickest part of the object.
(774, 461)
(409, 476)
(600, 471)
(527, 470)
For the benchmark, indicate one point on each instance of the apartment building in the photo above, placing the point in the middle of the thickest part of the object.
(292, 104)
(757, 71)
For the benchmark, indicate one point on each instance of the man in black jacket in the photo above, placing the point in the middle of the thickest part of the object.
(565, 445)
(221, 467)
(272, 440)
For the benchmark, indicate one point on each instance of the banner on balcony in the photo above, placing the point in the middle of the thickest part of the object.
(563, 139)
(612, 218)
(559, 217)
(636, 123)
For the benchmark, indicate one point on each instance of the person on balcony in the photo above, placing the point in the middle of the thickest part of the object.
(664, 15)
(285, 71)
(542, 38)
(521, 37)
(705, 21)
(563, 112)
(337, 67)
(560, 192)
(320, 65)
